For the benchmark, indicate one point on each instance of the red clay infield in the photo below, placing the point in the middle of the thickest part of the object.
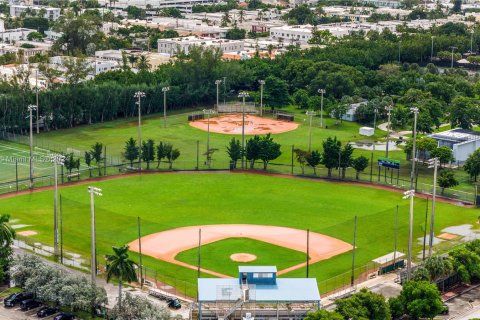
(166, 245)
(232, 124)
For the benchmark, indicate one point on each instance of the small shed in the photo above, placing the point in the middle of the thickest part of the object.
(366, 131)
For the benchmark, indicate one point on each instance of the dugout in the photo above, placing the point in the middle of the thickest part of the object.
(390, 262)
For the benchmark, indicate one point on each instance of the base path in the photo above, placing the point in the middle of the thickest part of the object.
(232, 124)
(166, 245)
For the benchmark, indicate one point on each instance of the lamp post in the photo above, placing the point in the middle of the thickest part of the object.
(217, 83)
(139, 95)
(31, 108)
(36, 99)
(433, 163)
(389, 109)
(243, 95)
(414, 147)
(262, 83)
(322, 92)
(165, 90)
(208, 112)
(56, 159)
(431, 51)
(453, 49)
(410, 194)
(93, 192)
(310, 114)
(375, 111)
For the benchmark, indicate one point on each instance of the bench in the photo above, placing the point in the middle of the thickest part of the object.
(73, 175)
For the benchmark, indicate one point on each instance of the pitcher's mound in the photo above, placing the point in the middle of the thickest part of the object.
(232, 124)
(243, 257)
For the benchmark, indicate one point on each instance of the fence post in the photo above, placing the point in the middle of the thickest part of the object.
(293, 147)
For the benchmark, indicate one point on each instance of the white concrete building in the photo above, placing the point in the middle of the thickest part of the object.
(287, 34)
(350, 115)
(462, 142)
(171, 46)
(185, 6)
(383, 3)
(50, 13)
(14, 35)
(52, 35)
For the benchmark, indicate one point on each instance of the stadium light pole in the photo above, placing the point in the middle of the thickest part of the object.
(262, 83)
(414, 147)
(36, 100)
(243, 95)
(31, 108)
(208, 112)
(433, 163)
(322, 92)
(139, 95)
(310, 114)
(217, 83)
(410, 194)
(389, 109)
(93, 192)
(165, 90)
(56, 159)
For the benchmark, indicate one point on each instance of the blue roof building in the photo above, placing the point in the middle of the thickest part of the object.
(230, 298)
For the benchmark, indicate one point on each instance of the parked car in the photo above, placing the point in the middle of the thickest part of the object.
(46, 311)
(15, 298)
(64, 316)
(174, 304)
(29, 304)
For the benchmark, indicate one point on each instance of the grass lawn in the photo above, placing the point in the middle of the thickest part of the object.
(216, 255)
(166, 201)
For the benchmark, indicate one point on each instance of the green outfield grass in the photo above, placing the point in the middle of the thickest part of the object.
(166, 201)
(216, 255)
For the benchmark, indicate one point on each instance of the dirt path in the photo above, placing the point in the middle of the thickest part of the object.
(167, 244)
(282, 175)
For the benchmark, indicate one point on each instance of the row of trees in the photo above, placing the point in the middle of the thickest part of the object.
(418, 300)
(148, 152)
(332, 157)
(257, 148)
(358, 66)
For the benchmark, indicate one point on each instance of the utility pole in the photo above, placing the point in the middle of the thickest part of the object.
(322, 92)
(217, 83)
(31, 108)
(389, 109)
(410, 194)
(262, 83)
(433, 163)
(56, 159)
(453, 48)
(93, 192)
(165, 90)
(431, 51)
(414, 147)
(140, 252)
(243, 95)
(139, 95)
(310, 114)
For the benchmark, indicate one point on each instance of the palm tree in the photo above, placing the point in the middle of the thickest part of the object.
(119, 266)
(143, 64)
(132, 59)
(7, 234)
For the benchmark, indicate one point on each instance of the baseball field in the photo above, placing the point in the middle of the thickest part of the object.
(167, 201)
